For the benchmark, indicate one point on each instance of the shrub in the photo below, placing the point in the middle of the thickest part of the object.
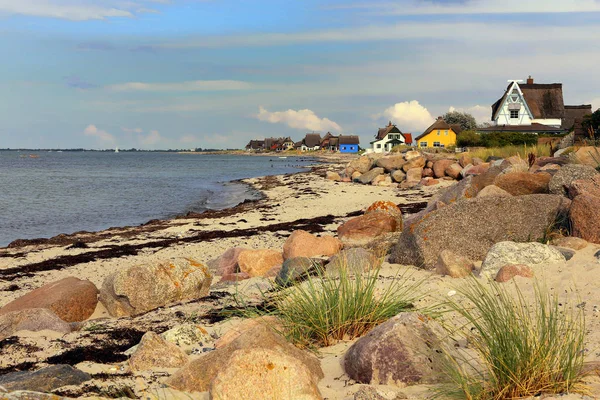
(326, 308)
(495, 139)
(509, 151)
(524, 348)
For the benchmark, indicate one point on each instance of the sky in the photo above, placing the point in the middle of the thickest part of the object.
(158, 74)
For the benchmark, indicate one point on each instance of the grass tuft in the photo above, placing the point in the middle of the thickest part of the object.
(328, 307)
(523, 349)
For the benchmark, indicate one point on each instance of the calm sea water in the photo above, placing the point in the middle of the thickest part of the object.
(65, 192)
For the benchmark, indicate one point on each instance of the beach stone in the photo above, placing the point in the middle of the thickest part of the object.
(303, 244)
(584, 216)
(355, 260)
(386, 181)
(568, 253)
(569, 173)
(355, 176)
(453, 170)
(454, 265)
(412, 154)
(390, 163)
(556, 161)
(511, 253)
(429, 181)
(520, 183)
(185, 335)
(514, 164)
(259, 262)
(439, 167)
(295, 268)
(405, 350)
(346, 179)
(590, 186)
(417, 162)
(264, 374)
(333, 176)
(470, 227)
(413, 176)
(475, 169)
(71, 299)
(363, 229)
(427, 173)
(398, 176)
(227, 263)
(508, 272)
(197, 375)
(465, 159)
(155, 352)
(370, 176)
(30, 395)
(141, 288)
(570, 242)
(588, 155)
(362, 164)
(371, 393)
(493, 191)
(389, 208)
(597, 255)
(235, 277)
(268, 321)
(45, 379)
(477, 161)
(31, 319)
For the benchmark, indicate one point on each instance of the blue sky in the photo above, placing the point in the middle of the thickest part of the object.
(217, 73)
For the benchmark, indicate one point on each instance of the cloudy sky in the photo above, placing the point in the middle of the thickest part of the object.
(217, 73)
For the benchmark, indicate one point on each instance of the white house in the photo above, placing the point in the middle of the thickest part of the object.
(535, 108)
(388, 137)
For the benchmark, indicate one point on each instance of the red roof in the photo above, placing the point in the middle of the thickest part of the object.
(408, 138)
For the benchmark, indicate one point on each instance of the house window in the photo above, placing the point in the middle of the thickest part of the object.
(378, 145)
(436, 144)
(439, 133)
(423, 144)
(514, 114)
(446, 132)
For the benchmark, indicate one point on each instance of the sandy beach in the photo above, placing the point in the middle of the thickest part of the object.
(305, 200)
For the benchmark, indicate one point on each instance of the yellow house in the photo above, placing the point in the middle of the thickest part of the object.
(439, 134)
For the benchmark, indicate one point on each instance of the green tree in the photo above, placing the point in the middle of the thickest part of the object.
(465, 120)
(591, 124)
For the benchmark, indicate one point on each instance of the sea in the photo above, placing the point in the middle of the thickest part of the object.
(43, 194)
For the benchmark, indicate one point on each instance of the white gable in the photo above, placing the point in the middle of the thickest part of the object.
(514, 109)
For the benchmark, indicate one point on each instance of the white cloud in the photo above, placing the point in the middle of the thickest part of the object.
(190, 86)
(419, 7)
(103, 136)
(480, 113)
(301, 119)
(75, 10)
(132, 130)
(150, 139)
(410, 116)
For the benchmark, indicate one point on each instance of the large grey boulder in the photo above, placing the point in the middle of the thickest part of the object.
(31, 319)
(45, 379)
(368, 177)
(141, 288)
(560, 182)
(354, 260)
(470, 227)
(155, 352)
(405, 350)
(511, 253)
(391, 163)
(362, 164)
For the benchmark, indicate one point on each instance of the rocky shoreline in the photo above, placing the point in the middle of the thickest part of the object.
(171, 287)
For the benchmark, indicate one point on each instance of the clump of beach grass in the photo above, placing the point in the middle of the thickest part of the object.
(331, 306)
(523, 348)
(509, 151)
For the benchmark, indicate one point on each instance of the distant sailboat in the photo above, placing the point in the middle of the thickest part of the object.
(117, 149)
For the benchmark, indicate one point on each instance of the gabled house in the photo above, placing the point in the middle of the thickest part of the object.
(255, 145)
(349, 143)
(439, 134)
(329, 142)
(534, 108)
(386, 138)
(312, 141)
(287, 144)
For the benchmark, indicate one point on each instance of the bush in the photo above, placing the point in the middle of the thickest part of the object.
(325, 308)
(524, 348)
(495, 139)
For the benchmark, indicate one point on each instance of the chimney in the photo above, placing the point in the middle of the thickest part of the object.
(530, 80)
(440, 118)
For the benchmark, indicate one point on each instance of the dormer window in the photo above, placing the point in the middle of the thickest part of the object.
(514, 114)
